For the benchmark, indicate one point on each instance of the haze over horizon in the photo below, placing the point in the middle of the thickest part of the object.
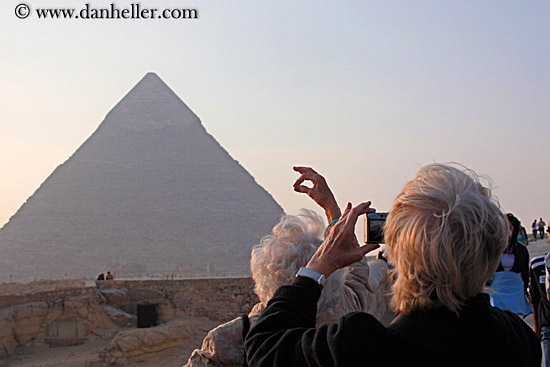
(364, 92)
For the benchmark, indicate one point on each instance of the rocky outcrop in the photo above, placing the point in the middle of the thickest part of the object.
(123, 296)
(22, 324)
(142, 344)
(71, 316)
(186, 310)
(95, 313)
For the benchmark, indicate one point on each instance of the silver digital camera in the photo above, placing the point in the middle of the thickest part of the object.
(374, 227)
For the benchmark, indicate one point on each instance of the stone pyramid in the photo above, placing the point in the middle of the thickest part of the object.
(149, 192)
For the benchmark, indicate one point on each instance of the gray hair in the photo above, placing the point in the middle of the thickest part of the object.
(279, 256)
(445, 235)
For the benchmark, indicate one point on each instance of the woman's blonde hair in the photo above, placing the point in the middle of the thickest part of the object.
(445, 235)
(279, 256)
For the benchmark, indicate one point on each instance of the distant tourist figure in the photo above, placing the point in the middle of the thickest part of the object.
(101, 277)
(511, 279)
(535, 229)
(540, 303)
(540, 227)
(109, 276)
(274, 262)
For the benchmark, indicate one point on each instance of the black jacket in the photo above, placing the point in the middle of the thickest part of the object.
(285, 336)
(537, 290)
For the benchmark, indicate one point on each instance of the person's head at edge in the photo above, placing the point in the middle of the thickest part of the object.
(515, 226)
(445, 235)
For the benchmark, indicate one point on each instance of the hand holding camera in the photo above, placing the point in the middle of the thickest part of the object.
(339, 248)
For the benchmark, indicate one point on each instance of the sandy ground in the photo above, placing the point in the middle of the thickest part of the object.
(44, 356)
(77, 356)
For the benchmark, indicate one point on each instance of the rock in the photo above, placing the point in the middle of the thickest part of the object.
(122, 296)
(144, 344)
(22, 324)
(120, 317)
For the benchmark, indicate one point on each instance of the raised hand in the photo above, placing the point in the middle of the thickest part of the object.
(319, 192)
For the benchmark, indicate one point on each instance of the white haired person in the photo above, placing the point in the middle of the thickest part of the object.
(275, 262)
(445, 236)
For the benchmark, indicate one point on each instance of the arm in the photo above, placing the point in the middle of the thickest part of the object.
(319, 192)
(356, 286)
(222, 346)
(285, 335)
(525, 267)
(534, 298)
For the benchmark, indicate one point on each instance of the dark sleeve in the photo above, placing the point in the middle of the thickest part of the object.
(534, 287)
(521, 264)
(285, 334)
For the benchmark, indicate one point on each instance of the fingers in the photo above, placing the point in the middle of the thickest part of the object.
(351, 214)
(306, 176)
(304, 169)
(346, 211)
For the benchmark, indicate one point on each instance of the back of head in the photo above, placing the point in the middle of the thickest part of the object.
(516, 226)
(279, 256)
(445, 234)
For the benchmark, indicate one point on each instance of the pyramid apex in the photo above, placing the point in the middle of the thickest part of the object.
(151, 74)
(151, 77)
(151, 104)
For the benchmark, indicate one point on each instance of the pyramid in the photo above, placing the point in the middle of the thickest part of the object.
(149, 192)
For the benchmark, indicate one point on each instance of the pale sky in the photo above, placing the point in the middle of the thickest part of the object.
(365, 92)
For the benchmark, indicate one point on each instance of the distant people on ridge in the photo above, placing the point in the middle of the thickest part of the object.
(109, 276)
(535, 229)
(101, 276)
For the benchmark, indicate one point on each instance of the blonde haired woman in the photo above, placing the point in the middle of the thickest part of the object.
(445, 236)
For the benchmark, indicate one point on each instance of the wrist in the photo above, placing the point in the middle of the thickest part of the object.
(320, 267)
(314, 275)
(333, 213)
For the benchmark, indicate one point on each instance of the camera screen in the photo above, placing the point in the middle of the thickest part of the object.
(375, 231)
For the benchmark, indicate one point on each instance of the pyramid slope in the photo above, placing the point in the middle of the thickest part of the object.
(151, 190)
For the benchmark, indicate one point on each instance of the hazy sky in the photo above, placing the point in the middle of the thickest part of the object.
(365, 92)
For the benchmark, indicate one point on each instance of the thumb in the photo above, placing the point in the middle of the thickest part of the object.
(368, 247)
